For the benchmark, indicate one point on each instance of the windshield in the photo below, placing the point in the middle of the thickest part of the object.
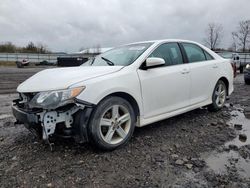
(120, 56)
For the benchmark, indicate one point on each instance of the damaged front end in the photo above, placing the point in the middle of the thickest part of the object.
(49, 114)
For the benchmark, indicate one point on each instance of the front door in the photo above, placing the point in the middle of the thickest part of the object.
(166, 88)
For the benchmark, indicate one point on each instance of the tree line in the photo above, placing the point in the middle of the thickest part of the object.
(240, 37)
(8, 47)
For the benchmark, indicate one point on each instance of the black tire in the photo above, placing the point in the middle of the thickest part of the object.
(19, 64)
(214, 107)
(247, 81)
(96, 137)
(241, 69)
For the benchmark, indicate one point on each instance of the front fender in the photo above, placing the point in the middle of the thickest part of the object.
(98, 88)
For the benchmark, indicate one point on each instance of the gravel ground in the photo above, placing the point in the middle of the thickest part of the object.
(176, 152)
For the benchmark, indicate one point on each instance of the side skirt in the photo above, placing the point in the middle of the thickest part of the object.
(160, 117)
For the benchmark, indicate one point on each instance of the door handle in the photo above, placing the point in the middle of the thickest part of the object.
(215, 66)
(185, 71)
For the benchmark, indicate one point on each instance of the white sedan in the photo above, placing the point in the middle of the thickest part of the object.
(131, 85)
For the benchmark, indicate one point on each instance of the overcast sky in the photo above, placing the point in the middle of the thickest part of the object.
(68, 25)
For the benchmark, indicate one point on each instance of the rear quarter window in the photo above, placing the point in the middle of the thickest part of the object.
(208, 56)
(196, 53)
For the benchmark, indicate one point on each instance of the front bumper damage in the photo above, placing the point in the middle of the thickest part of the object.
(70, 121)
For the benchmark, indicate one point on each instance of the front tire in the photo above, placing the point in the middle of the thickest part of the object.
(112, 123)
(219, 97)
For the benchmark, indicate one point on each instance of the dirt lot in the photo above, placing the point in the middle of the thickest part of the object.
(10, 77)
(196, 149)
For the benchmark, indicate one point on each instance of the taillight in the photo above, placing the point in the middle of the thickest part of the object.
(234, 68)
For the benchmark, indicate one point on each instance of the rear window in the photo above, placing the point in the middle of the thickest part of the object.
(208, 56)
(194, 53)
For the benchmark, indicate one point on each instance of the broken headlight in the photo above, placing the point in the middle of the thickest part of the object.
(54, 99)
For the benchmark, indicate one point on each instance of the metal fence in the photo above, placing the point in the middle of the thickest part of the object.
(36, 58)
(244, 57)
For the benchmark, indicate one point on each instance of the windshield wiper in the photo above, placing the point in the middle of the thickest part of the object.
(92, 62)
(108, 61)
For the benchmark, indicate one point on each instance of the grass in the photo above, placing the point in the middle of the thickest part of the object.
(7, 63)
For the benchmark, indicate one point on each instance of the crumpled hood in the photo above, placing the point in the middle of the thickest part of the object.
(62, 78)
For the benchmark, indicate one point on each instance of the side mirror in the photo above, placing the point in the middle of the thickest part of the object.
(154, 61)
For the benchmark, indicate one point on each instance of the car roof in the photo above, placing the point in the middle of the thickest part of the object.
(164, 40)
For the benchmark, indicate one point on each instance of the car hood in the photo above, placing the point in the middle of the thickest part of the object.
(62, 78)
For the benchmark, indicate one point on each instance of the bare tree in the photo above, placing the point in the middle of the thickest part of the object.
(98, 49)
(8, 47)
(42, 48)
(234, 44)
(242, 35)
(214, 33)
(82, 48)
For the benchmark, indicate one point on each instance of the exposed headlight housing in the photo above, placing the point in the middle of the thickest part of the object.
(54, 99)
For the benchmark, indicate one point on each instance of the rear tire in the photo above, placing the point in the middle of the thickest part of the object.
(218, 97)
(112, 123)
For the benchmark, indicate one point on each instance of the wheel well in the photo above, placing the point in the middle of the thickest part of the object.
(226, 82)
(130, 99)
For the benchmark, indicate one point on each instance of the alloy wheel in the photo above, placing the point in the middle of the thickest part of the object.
(115, 124)
(220, 95)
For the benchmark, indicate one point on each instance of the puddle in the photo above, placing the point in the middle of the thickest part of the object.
(238, 117)
(222, 162)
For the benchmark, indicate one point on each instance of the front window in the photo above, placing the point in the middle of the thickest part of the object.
(121, 56)
(170, 52)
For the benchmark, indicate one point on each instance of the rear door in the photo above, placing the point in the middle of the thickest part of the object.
(165, 88)
(203, 72)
